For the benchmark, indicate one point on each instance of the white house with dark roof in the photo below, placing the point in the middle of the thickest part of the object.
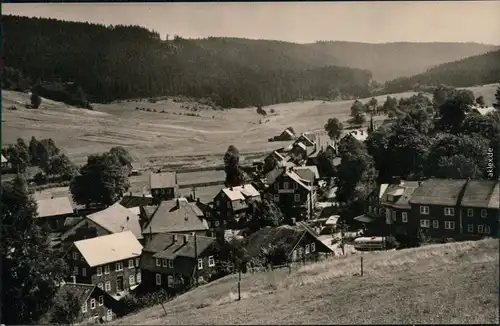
(163, 185)
(53, 212)
(111, 262)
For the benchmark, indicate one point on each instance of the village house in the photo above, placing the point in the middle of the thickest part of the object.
(5, 163)
(96, 305)
(297, 242)
(111, 262)
(130, 200)
(294, 195)
(286, 135)
(435, 207)
(175, 261)
(53, 212)
(176, 216)
(374, 211)
(309, 173)
(114, 219)
(230, 204)
(359, 134)
(163, 185)
(395, 200)
(480, 208)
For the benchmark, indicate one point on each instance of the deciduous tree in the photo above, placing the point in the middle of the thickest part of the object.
(334, 128)
(234, 175)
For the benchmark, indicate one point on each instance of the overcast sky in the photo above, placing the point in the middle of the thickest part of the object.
(375, 22)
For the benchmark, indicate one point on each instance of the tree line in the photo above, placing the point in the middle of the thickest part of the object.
(120, 62)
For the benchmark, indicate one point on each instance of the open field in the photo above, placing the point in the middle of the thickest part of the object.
(435, 284)
(156, 138)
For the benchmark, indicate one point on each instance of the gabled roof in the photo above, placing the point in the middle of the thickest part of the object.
(309, 173)
(163, 180)
(272, 175)
(240, 192)
(177, 215)
(136, 201)
(306, 140)
(117, 218)
(495, 198)
(402, 194)
(148, 211)
(295, 177)
(109, 248)
(164, 245)
(479, 193)
(445, 192)
(301, 145)
(54, 207)
(288, 132)
(4, 159)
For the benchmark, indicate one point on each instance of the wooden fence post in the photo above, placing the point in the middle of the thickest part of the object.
(289, 269)
(361, 265)
(164, 310)
(239, 285)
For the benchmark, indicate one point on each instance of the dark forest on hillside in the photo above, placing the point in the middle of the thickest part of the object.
(476, 70)
(122, 62)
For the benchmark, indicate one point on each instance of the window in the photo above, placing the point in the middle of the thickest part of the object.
(294, 255)
(170, 281)
(158, 262)
(84, 307)
(100, 286)
(276, 186)
(137, 261)
(480, 228)
(75, 255)
(170, 263)
(211, 261)
(208, 214)
(449, 225)
(119, 266)
(448, 211)
(484, 213)
(295, 185)
(138, 277)
(470, 228)
(158, 279)
(307, 249)
(393, 216)
(285, 185)
(297, 197)
(84, 271)
(435, 224)
(131, 279)
(276, 198)
(424, 210)
(425, 223)
(369, 209)
(487, 229)
(229, 205)
(101, 300)
(313, 247)
(106, 269)
(404, 217)
(470, 212)
(200, 263)
(109, 314)
(164, 262)
(92, 303)
(75, 270)
(131, 263)
(107, 286)
(217, 203)
(99, 271)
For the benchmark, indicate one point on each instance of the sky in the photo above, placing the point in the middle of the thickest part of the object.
(300, 22)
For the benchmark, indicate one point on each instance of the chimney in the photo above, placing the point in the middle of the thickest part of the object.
(73, 279)
(174, 237)
(185, 238)
(396, 180)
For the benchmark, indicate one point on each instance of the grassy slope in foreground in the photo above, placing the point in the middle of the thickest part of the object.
(450, 283)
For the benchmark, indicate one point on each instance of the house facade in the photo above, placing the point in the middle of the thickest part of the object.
(231, 204)
(111, 262)
(480, 208)
(175, 261)
(163, 185)
(96, 305)
(435, 207)
(293, 195)
(395, 201)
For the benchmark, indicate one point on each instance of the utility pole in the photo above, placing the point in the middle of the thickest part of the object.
(196, 260)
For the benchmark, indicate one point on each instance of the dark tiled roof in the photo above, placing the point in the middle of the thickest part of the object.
(148, 211)
(163, 180)
(164, 246)
(287, 235)
(444, 192)
(135, 201)
(274, 174)
(402, 192)
(170, 218)
(478, 193)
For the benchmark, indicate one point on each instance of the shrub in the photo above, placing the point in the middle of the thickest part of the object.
(133, 302)
(12, 108)
(272, 111)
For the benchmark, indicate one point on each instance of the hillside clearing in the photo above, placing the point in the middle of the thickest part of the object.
(171, 137)
(450, 283)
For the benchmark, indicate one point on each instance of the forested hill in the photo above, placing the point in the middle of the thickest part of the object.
(476, 70)
(388, 61)
(128, 62)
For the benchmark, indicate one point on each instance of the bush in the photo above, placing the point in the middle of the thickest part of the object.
(12, 108)
(132, 302)
(40, 178)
